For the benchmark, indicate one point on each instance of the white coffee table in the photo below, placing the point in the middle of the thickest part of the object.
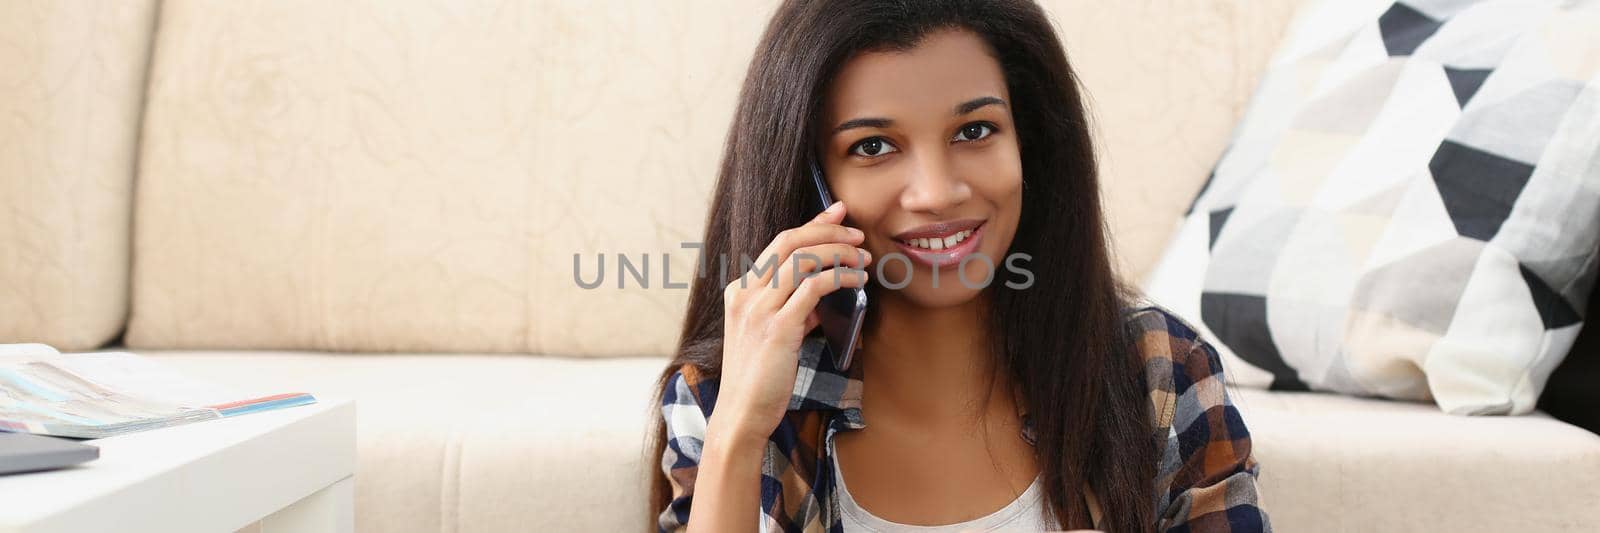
(290, 470)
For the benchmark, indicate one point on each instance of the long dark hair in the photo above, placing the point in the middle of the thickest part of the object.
(1062, 340)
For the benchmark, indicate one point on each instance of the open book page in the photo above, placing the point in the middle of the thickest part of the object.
(102, 394)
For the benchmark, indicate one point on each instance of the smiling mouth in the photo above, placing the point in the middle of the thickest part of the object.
(942, 244)
(938, 243)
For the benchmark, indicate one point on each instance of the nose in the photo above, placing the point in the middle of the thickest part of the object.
(934, 186)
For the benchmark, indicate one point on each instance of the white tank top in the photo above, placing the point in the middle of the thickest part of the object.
(1026, 513)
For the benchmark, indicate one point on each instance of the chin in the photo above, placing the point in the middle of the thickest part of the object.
(951, 292)
(947, 295)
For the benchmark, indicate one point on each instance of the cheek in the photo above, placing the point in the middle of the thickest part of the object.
(1001, 184)
(1001, 188)
(867, 205)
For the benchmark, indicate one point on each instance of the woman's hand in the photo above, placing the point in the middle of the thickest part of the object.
(768, 312)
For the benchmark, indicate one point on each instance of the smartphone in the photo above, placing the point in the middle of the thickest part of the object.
(842, 311)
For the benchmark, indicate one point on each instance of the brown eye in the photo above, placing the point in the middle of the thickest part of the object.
(872, 147)
(974, 131)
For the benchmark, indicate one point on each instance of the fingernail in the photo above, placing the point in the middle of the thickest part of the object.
(856, 232)
(835, 206)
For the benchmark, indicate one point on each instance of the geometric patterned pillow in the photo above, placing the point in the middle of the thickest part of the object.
(1410, 207)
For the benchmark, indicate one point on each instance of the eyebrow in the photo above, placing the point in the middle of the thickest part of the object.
(960, 109)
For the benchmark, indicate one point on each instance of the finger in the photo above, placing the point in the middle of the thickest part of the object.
(812, 321)
(817, 257)
(765, 272)
(789, 240)
(804, 299)
(811, 259)
(833, 214)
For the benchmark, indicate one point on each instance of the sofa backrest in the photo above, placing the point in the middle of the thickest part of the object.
(72, 75)
(418, 175)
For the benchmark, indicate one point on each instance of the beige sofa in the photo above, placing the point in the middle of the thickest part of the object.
(382, 201)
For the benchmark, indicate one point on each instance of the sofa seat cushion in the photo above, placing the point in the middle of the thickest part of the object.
(517, 443)
(474, 442)
(1339, 463)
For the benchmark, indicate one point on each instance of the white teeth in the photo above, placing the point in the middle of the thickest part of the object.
(936, 243)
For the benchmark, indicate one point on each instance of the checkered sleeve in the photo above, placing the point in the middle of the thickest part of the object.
(1207, 478)
(680, 460)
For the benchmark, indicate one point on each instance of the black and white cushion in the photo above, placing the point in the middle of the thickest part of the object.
(1410, 207)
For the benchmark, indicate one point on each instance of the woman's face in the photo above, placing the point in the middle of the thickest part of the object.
(920, 146)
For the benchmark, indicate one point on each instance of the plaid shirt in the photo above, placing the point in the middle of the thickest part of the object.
(1206, 477)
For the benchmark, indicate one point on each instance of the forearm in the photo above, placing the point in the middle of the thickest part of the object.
(728, 481)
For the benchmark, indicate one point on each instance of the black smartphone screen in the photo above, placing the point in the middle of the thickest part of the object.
(842, 311)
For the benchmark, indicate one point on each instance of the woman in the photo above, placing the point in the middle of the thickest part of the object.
(1041, 400)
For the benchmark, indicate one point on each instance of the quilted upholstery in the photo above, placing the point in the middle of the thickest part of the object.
(418, 176)
(72, 76)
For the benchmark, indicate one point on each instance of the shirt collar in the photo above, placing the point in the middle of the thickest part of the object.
(819, 386)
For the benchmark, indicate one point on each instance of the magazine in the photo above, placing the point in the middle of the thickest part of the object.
(103, 394)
